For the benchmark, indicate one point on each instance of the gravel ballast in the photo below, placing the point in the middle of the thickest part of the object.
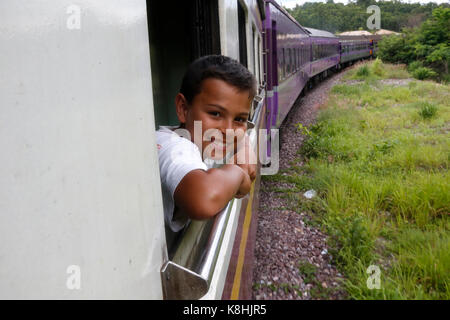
(291, 257)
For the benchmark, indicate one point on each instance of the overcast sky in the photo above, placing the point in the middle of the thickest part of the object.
(292, 3)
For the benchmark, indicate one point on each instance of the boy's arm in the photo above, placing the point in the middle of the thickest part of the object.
(202, 194)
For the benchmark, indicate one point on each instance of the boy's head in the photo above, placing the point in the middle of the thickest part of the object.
(218, 91)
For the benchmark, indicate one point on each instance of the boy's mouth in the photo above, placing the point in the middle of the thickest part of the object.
(222, 144)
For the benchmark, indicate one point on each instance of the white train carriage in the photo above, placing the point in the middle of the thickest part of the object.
(83, 86)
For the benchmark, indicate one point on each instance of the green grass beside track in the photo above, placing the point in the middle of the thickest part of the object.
(378, 156)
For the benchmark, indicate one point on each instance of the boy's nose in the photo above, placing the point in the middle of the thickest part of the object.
(227, 124)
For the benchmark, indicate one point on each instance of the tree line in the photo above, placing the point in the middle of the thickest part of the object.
(425, 49)
(339, 17)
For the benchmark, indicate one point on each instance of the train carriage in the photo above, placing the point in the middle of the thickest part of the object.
(355, 48)
(324, 51)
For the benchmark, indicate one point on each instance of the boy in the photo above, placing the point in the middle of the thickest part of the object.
(217, 91)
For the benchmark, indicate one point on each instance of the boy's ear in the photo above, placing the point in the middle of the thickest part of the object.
(181, 107)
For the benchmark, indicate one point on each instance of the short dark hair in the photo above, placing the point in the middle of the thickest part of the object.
(217, 67)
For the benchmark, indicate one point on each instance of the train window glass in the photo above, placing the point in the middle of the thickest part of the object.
(256, 56)
(294, 58)
(242, 34)
(287, 61)
(291, 60)
(260, 60)
(283, 62)
(302, 58)
(252, 45)
(302, 55)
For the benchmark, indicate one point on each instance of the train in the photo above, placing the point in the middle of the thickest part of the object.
(83, 88)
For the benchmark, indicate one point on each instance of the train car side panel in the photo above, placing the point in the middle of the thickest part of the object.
(80, 202)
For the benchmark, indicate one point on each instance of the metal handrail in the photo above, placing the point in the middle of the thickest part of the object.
(189, 273)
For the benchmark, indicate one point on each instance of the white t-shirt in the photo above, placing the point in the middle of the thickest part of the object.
(177, 157)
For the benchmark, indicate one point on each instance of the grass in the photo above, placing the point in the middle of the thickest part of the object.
(378, 157)
(376, 70)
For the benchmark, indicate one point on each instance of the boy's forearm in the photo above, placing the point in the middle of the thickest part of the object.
(228, 180)
(203, 194)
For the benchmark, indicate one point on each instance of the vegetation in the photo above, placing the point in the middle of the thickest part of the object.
(337, 17)
(378, 158)
(426, 49)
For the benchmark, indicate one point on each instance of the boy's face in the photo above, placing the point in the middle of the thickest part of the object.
(220, 106)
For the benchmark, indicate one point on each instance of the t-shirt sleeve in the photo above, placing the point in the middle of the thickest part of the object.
(177, 157)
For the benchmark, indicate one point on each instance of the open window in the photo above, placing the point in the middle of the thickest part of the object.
(242, 34)
(179, 33)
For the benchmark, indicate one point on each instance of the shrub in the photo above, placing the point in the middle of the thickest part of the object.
(377, 67)
(413, 66)
(397, 48)
(363, 71)
(428, 110)
(423, 73)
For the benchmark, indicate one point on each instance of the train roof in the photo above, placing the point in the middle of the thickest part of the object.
(287, 14)
(320, 33)
(362, 37)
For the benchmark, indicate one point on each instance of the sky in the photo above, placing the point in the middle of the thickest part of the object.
(291, 3)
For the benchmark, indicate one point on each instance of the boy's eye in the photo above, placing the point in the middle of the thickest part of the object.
(214, 113)
(241, 120)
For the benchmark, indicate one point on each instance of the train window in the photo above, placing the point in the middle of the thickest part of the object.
(302, 55)
(177, 36)
(252, 45)
(259, 53)
(171, 29)
(291, 57)
(242, 34)
(294, 57)
(287, 61)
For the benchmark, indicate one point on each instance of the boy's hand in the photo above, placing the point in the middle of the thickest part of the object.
(246, 159)
(245, 186)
